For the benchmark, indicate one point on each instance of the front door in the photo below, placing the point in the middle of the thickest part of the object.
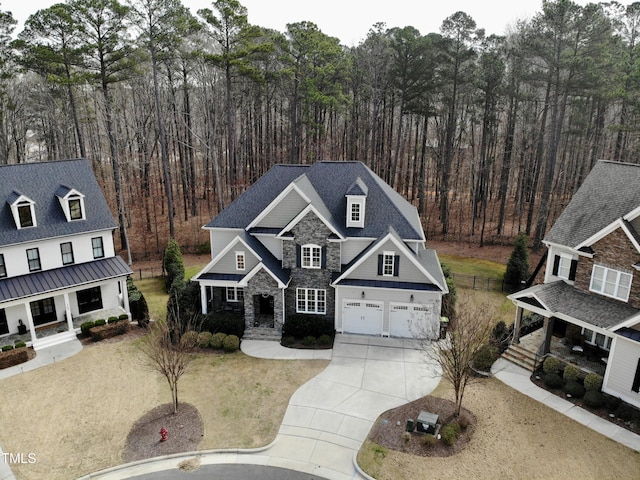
(266, 305)
(4, 326)
(43, 311)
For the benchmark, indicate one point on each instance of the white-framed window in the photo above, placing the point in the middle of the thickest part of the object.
(235, 294)
(72, 203)
(311, 300)
(33, 257)
(76, 212)
(564, 266)
(24, 213)
(66, 249)
(355, 211)
(3, 267)
(98, 247)
(240, 261)
(610, 282)
(598, 339)
(311, 256)
(388, 264)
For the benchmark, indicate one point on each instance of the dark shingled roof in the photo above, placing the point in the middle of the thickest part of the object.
(40, 182)
(609, 192)
(382, 284)
(59, 278)
(561, 298)
(331, 180)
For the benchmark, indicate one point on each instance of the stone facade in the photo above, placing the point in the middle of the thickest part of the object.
(614, 251)
(262, 284)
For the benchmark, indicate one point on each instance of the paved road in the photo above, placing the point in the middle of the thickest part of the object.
(230, 472)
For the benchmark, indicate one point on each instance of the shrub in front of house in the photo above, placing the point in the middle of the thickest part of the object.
(100, 332)
(204, 338)
(99, 323)
(309, 341)
(594, 399)
(301, 326)
(123, 316)
(551, 365)
(574, 389)
(450, 432)
(6, 348)
(224, 322)
(325, 340)
(86, 326)
(287, 341)
(20, 345)
(612, 402)
(626, 412)
(484, 358)
(552, 380)
(189, 339)
(137, 304)
(231, 343)
(13, 357)
(217, 340)
(571, 373)
(593, 381)
(112, 319)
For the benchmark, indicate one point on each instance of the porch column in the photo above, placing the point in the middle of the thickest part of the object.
(67, 310)
(203, 298)
(125, 296)
(516, 325)
(548, 332)
(32, 328)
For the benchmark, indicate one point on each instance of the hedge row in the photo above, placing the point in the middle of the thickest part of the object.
(302, 326)
(101, 329)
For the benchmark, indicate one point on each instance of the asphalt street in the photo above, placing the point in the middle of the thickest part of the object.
(230, 472)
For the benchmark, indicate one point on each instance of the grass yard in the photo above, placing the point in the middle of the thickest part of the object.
(473, 266)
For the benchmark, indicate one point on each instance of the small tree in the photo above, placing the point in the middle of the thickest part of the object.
(518, 265)
(167, 351)
(465, 338)
(449, 300)
(172, 263)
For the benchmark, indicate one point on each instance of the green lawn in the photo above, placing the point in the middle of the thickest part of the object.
(473, 266)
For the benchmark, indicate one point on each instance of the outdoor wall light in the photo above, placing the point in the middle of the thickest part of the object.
(362, 295)
(411, 297)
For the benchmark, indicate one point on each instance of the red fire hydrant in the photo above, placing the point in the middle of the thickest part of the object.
(163, 434)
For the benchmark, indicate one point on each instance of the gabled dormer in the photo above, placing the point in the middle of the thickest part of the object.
(72, 203)
(23, 210)
(356, 204)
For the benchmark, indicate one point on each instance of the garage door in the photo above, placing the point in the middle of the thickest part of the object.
(362, 317)
(408, 320)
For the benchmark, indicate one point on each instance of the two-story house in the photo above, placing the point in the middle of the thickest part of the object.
(591, 281)
(57, 259)
(329, 239)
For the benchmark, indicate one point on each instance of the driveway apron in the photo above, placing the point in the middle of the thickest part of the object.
(330, 416)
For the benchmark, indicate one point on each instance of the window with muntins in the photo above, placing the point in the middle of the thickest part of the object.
(3, 267)
(98, 247)
(610, 282)
(311, 256)
(25, 214)
(240, 263)
(67, 253)
(33, 257)
(75, 209)
(387, 264)
(235, 294)
(355, 212)
(311, 300)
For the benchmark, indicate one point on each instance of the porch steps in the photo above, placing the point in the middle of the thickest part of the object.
(54, 340)
(262, 333)
(521, 356)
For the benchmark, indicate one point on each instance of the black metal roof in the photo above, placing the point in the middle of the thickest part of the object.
(42, 182)
(60, 278)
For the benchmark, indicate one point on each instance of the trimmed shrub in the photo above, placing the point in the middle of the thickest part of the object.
(20, 345)
(85, 327)
(204, 338)
(499, 336)
(574, 389)
(189, 339)
(301, 326)
(325, 340)
(593, 381)
(594, 399)
(484, 358)
(626, 412)
(217, 340)
(172, 263)
(123, 316)
(100, 332)
(287, 341)
(450, 433)
(612, 402)
(231, 343)
(552, 380)
(224, 322)
(99, 323)
(13, 357)
(309, 341)
(449, 300)
(551, 365)
(518, 265)
(571, 373)
(112, 319)
(6, 348)
(137, 304)
(428, 440)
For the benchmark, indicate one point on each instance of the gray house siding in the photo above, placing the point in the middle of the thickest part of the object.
(227, 264)
(284, 211)
(368, 270)
(623, 359)
(220, 239)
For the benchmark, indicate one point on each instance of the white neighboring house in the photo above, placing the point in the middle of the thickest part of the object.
(58, 266)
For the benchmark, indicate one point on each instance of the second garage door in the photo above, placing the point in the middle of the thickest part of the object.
(407, 320)
(362, 317)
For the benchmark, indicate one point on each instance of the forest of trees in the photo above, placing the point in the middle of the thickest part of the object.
(180, 112)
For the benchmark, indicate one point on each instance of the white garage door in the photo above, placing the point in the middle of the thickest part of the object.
(362, 317)
(408, 320)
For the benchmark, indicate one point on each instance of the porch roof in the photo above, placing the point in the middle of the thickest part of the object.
(354, 282)
(561, 299)
(36, 283)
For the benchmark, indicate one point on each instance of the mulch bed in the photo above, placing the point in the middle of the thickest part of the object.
(185, 430)
(389, 429)
(134, 331)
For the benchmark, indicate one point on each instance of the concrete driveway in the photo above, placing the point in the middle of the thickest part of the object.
(330, 416)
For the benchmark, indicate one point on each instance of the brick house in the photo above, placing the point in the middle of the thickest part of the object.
(331, 240)
(58, 265)
(591, 284)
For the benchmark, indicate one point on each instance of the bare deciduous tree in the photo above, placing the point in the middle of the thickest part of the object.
(470, 331)
(167, 351)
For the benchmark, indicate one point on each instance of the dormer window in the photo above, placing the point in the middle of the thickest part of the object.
(23, 210)
(72, 203)
(356, 198)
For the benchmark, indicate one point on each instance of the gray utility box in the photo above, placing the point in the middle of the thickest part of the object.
(427, 422)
